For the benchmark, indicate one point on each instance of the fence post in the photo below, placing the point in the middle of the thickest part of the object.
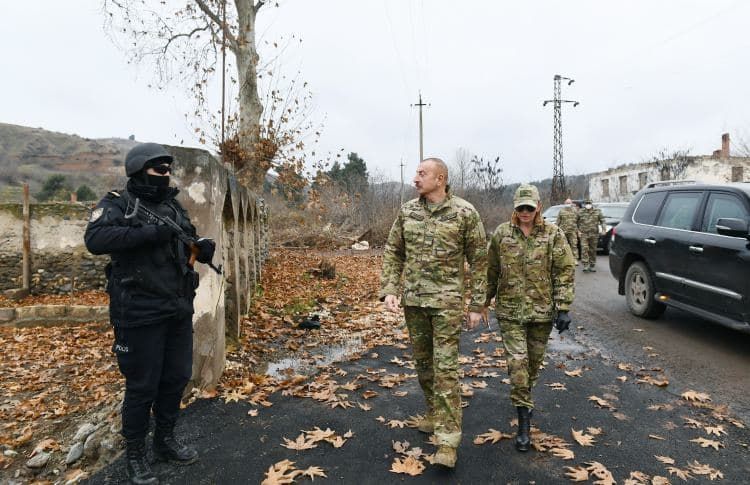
(26, 261)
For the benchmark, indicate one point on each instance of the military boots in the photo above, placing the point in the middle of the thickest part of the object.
(136, 465)
(524, 428)
(168, 448)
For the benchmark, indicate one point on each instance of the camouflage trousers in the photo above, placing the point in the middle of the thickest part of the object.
(434, 334)
(525, 344)
(572, 237)
(588, 248)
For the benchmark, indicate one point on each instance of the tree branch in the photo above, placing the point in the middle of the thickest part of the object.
(231, 38)
(257, 6)
(187, 34)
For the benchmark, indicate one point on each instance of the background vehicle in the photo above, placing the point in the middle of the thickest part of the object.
(613, 213)
(685, 245)
(550, 213)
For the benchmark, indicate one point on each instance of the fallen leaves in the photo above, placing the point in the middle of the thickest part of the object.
(574, 373)
(705, 443)
(704, 470)
(577, 474)
(409, 466)
(284, 472)
(310, 439)
(582, 438)
(563, 453)
(665, 459)
(693, 396)
(602, 403)
(491, 436)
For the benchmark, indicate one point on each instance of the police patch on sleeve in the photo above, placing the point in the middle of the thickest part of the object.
(96, 214)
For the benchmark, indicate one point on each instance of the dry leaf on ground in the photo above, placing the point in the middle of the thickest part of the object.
(563, 453)
(577, 474)
(708, 443)
(492, 436)
(665, 459)
(695, 396)
(409, 466)
(582, 438)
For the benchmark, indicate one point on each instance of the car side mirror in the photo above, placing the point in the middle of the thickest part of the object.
(729, 226)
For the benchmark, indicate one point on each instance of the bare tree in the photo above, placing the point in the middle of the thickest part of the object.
(460, 173)
(186, 42)
(672, 164)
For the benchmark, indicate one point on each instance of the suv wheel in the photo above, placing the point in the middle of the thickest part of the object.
(639, 292)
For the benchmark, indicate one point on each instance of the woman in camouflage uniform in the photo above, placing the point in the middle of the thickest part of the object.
(530, 274)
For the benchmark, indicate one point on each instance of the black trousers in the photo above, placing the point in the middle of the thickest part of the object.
(157, 362)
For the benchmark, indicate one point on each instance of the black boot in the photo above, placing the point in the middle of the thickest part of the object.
(167, 448)
(524, 426)
(139, 471)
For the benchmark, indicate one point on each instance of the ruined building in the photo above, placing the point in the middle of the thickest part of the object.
(620, 183)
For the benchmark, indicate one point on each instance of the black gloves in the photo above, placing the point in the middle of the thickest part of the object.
(164, 233)
(562, 321)
(206, 248)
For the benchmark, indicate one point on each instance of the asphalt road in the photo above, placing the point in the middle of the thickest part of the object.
(632, 424)
(695, 353)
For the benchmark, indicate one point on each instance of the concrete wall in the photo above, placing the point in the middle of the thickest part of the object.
(707, 169)
(219, 207)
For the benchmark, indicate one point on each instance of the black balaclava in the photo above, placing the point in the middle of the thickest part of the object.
(151, 187)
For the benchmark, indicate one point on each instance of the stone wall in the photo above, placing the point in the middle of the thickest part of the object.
(220, 209)
(59, 261)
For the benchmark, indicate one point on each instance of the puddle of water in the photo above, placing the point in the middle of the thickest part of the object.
(326, 354)
(565, 345)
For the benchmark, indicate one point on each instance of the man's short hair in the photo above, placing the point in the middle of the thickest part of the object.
(441, 166)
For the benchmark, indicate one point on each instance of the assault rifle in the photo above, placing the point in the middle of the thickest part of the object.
(150, 217)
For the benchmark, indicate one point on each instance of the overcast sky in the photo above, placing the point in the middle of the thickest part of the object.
(648, 74)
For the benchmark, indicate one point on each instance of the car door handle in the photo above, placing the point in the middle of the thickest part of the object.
(696, 249)
(650, 240)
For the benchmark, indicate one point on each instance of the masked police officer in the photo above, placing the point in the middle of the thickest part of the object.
(151, 288)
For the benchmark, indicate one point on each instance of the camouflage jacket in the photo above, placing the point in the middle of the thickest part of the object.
(567, 219)
(530, 277)
(589, 220)
(428, 247)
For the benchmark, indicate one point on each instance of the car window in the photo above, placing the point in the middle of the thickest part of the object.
(552, 211)
(679, 210)
(648, 207)
(722, 205)
(613, 211)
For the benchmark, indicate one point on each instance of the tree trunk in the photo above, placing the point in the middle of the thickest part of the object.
(252, 173)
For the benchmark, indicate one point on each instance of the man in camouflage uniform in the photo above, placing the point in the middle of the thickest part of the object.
(590, 222)
(428, 244)
(530, 274)
(567, 220)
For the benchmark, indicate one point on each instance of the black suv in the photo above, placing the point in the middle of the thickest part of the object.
(685, 244)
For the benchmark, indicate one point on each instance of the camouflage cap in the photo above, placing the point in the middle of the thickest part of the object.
(526, 194)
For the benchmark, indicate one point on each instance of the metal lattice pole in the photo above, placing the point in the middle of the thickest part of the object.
(559, 191)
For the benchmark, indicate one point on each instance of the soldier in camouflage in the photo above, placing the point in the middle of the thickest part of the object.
(590, 223)
(424, 257)
(530, 274)
(567, 220)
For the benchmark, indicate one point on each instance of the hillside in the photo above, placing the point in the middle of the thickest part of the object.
(31, 155)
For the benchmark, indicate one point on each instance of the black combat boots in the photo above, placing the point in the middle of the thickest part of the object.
(167, 448)
(524, 427)
(139, 471)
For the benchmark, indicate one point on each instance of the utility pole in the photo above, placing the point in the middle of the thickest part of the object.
(402, 180)
(421, 140)
(559, 191)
